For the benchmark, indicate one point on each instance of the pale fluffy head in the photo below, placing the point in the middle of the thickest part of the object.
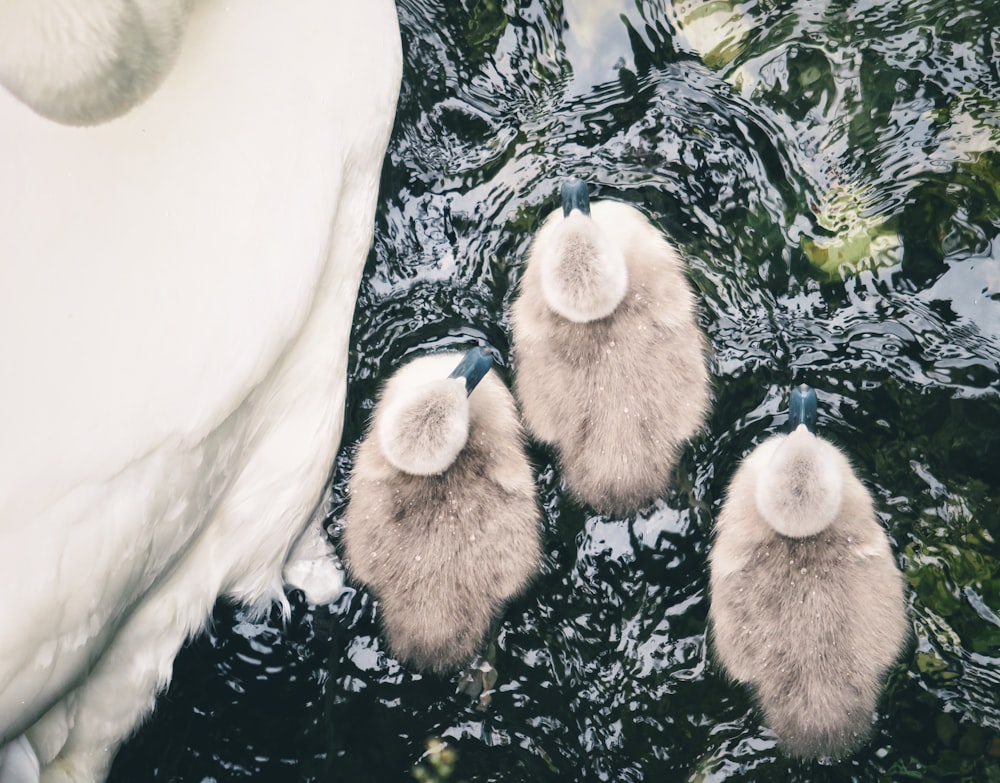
(800, 484)
(423, 422)
(583, 272)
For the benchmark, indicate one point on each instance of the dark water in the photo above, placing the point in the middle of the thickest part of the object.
(831, 171)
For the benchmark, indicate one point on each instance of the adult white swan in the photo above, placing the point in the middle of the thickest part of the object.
(176, 291)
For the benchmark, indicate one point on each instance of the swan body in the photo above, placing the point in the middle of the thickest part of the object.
(610, 362)
(444, 548)
(807, 602)
(18, 762)
(176, 295)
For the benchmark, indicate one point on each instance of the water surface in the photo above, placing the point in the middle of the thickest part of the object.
(831, 174)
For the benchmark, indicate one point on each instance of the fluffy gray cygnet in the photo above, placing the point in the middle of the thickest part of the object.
(610, 362)
(807, 603)
(442, 521)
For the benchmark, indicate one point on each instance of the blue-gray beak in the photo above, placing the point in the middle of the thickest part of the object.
(802, 408)
(575, 196)
(474, 365)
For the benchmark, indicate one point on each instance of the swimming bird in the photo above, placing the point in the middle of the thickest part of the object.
(442, 521)
(610, 362)
(807, 603)
(177, 287)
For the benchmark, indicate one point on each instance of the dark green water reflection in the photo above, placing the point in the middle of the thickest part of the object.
(832, 173)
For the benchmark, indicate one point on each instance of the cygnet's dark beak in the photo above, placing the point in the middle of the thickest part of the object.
(474, 365)
(802, 408)
(575, 196)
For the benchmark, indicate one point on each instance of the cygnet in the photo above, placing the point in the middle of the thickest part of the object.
(807, 603)
(442, 521)
(610, 362)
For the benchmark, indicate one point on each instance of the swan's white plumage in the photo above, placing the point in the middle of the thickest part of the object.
(87, 63)
(18, 762)
(176, 295)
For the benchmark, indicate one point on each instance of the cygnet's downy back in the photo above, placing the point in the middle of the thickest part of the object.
(807, 603)
(610, 362)
(442, 521)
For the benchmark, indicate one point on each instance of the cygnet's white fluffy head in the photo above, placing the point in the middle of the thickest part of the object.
(423, 427)
(799, 487)
(584, 277)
